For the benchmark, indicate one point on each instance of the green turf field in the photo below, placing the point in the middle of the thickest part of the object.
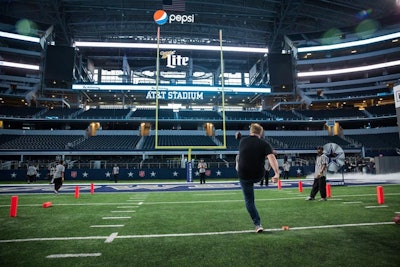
(202, 228)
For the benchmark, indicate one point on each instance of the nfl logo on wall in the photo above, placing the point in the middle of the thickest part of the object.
(74, 174)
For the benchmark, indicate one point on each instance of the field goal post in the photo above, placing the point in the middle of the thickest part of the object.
(190, 148)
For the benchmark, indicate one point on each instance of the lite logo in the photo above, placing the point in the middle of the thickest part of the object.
(174, 60)
(161, 17)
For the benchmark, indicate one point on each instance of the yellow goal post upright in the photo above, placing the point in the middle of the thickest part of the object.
(190, 148)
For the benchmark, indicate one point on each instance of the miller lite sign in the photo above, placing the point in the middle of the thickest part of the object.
(174, 60)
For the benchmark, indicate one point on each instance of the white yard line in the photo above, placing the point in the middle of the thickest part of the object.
(79, 255)
(116, 218)
(114, 235)
(376, 207)
(107, 225)
(123, 211)
(111, 238)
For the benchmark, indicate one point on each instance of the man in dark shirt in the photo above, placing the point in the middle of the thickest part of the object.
(253, 150)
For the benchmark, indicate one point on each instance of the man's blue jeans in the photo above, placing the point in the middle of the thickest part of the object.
(248, 192)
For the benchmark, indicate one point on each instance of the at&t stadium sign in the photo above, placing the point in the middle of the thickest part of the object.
(174, 95)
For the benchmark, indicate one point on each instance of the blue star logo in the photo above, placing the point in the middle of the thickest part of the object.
(336, 156)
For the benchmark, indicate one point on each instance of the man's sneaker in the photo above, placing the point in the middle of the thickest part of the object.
(56, 192)
(310, 198)
(323, 199)
(259, 229)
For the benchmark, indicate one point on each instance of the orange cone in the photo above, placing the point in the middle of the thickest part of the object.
(92, 189)
(279, 184)
(300, 186)
(47, 204)
(77, 192)
(14, 206)
(328, 190)
(379, 194)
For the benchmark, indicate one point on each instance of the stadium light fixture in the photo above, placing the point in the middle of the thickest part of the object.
(172, 46)
(19, 37)
(349, 44)
(349, 70)
(19, 65)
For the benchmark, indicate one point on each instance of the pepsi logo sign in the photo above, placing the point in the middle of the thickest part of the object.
(161, 17)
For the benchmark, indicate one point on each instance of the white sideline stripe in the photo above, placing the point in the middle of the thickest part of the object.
(123, 211)
(374, 207)
(53, 239)
(116, 218)
(107, 225)
(192, 234)
(57, 256)
(353, 202)
(111, 238)
(340, 225)
(127, 207)
(252, 231)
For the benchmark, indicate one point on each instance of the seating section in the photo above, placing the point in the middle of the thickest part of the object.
(104, 114)
(144, 113)
(201, 114)
(282, 115)
(166, 114)
(306, 142)
(245, 115)
(38, 142)
(231, 142)
(59, 113)
(193, 140)
(19, 112)
(177, 140)
(368, 91)
(133, 142)
(148, 143)
(5, 138)
(385, 110)
(377, 141)
(109, 142)
(151, 114)
(331, 114)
